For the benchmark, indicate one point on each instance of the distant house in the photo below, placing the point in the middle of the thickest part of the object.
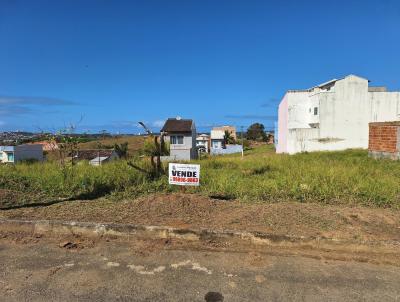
(230, 129)
(219, 145)
(181, 135)
(217, 139)
(203, 143)
(99, 160)
(95, 157)
(14, 154)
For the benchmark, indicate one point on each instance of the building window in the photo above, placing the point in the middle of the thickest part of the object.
(10, 157)
(217, 145)
(315, 110)
(177, 140)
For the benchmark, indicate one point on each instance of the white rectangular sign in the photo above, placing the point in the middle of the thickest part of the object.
(184, 174)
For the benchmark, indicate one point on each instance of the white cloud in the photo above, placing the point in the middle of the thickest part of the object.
(30, 100)
(158, 123)
(22, 105)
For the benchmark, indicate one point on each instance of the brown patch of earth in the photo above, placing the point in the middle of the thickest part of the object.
(195, 211)
(12, 198)
(8, 197)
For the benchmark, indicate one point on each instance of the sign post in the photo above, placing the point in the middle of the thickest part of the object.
(184, 174)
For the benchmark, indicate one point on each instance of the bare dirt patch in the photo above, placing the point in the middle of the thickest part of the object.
(9, 197)
(195, 211)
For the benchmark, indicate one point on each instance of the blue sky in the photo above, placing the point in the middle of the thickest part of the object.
(108, 64)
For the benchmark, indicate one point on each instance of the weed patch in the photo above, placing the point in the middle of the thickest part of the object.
(347, 177)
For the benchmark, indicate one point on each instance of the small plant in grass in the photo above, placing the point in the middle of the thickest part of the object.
(261, 170)
(121, 150)
(154, 147)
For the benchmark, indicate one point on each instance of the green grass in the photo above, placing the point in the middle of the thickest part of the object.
(347, 177)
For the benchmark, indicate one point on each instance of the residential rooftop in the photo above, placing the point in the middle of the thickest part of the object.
(177, 125)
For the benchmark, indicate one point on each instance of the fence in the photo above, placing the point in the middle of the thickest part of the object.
(230, 149)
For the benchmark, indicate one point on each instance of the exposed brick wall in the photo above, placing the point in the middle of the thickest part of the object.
(384, 140)
(383, 137)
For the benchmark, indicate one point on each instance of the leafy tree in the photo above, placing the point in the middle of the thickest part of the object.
(256, 132)
(228, 138)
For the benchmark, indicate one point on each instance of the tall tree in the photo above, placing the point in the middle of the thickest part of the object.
(256, 132)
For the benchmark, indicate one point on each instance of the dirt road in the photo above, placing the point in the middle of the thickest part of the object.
(56, 269)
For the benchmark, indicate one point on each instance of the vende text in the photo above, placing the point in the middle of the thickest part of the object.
(184, 174)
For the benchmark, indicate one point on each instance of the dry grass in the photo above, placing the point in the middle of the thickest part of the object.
(135, 143)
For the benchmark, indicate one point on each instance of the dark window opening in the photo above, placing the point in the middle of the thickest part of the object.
(177, 140)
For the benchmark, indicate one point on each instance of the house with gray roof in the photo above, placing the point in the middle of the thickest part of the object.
(95, 157)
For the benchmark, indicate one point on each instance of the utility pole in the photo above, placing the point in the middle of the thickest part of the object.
(241, 132)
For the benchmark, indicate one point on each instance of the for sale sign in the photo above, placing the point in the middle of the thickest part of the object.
(184, 174)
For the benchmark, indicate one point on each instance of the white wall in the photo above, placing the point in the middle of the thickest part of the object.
(187, 141)
(298, 106)
(293, 114)
(343, 116)
(3, 157)
(217, 134)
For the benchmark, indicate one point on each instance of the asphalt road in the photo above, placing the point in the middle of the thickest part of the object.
(41, 270)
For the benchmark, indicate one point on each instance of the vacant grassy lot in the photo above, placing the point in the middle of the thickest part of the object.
(135, 143)
(347, 177)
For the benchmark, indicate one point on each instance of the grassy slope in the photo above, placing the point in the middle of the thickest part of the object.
(327, 177)
(135, 143)
(347, 177)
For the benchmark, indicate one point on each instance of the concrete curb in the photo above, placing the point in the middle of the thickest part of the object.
(99, 230)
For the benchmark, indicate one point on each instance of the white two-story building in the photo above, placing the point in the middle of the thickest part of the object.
(181, 135)
(333, 115)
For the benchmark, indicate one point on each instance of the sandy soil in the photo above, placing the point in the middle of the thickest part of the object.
(44, 269)
(188, 210)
